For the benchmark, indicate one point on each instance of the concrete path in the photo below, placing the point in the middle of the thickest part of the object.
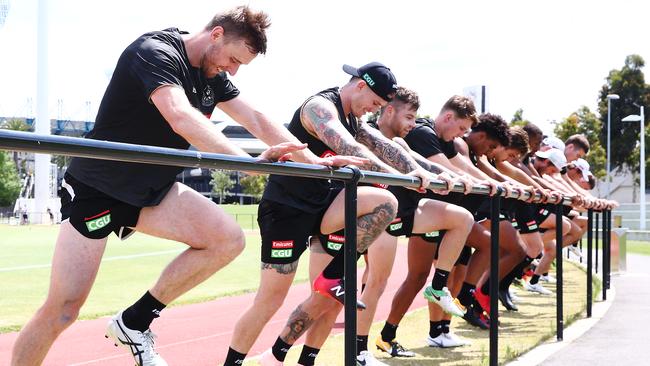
(622, 336)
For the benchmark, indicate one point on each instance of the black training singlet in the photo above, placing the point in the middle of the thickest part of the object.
(309, 194)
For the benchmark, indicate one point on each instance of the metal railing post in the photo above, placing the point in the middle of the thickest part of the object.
(590, 237)
(597, 235)
(351, 268)
(605, 250)
(558, 268)
(609, 248)
(495, 209)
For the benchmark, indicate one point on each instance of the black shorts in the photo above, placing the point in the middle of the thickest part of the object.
(285, 231)
(542, 212)
(95, 214)
(524, 218)
(484, 211)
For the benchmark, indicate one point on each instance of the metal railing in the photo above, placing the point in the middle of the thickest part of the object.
(106, 150)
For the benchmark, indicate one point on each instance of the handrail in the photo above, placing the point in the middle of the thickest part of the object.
(109, 150)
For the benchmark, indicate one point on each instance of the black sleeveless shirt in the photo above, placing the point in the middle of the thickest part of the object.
(309, 194)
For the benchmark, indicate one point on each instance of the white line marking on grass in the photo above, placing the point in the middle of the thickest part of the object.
(107, 259)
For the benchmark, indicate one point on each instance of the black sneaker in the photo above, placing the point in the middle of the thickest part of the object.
(504, 297)
(473, 318)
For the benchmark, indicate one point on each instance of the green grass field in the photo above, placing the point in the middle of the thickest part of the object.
(638, 247)
(519, 331)
(129, 268)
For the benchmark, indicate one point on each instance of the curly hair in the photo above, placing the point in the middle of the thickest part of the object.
(494, 127)
(243, 22)
(519, 140)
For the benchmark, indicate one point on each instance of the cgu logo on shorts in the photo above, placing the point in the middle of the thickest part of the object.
(395, 225)
(281, 249)
(335, 242)
(98, 221)
(432, 234)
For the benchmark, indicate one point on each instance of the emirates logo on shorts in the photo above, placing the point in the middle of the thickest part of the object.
(284, 244)
(336, 238)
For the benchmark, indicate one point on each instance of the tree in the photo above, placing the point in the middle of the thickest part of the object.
(254, 184)
(518, 118)
(583, 121)
(221, 183)
(16, 124)
(629, 84)
(9, 181)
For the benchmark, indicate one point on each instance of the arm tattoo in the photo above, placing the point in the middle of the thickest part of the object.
(426, 164)
(288, 268)
(388, 151)
(332, 132)
(298, 323)
(369, 226)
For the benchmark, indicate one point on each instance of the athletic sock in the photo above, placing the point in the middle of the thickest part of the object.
(362, 343)
(465, 295)
(445, 326)
(234, 358)
(534, 279)
(435, 329)
(485, 289)
(140, 315)
(308, 356)
(336, 268)
(518, 270)
(439, 279)
(280, 349)
(389, 332)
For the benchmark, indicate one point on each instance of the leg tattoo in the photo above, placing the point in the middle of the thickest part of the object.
(369, 226)
(281, 268)
(298, 323)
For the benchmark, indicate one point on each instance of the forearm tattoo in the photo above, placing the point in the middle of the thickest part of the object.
(298, 323)
(369, 226)
(281, 268)
(388, 151)
(330, 130)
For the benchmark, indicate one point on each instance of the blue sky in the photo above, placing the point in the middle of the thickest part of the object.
(548, 58)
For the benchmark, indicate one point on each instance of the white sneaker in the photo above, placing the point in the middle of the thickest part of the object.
(456, 340)
(548, 279)
(268, 359)
(575, 250)
(141, 344)
(445, 341)
(444, 299)
(365, 358)
(513, 296)
(537, 288)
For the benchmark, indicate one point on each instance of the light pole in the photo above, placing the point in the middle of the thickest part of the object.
(641, 119)
(610, 97)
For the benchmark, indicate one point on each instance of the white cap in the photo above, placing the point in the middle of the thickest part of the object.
(556, 156)
(583, 165)
(553, 142)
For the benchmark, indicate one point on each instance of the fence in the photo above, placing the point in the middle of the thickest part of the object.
(24, 141)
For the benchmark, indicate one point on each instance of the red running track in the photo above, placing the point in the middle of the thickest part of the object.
(197, 334)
